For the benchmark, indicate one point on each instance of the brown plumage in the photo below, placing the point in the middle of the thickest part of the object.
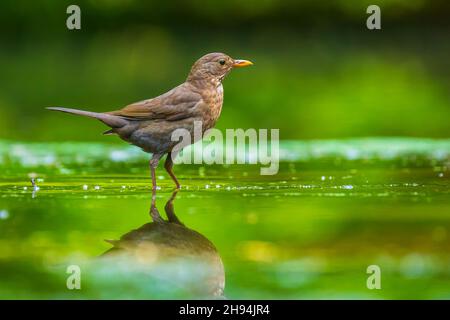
(149, 124)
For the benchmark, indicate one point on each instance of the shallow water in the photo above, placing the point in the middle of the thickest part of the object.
(310, 231)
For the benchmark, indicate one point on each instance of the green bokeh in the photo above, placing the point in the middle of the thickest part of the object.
(318, 73)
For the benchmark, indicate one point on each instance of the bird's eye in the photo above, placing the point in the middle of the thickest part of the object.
(222, 62)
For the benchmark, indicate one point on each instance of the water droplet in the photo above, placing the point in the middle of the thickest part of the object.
(97, 187)
(85, 187)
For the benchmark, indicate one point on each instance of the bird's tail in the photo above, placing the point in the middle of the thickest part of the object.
(108, 119)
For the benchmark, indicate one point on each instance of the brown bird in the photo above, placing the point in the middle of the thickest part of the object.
(149, 124)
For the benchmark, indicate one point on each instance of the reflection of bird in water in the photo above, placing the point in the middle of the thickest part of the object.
(173, 253)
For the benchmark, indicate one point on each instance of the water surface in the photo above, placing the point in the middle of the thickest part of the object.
(310, 231)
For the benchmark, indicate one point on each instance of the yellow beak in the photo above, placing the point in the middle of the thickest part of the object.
(242, 63)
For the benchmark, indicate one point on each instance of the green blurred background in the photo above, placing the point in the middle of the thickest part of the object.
(319, 72)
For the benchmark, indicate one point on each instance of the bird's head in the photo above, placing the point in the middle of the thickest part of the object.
(215, 66)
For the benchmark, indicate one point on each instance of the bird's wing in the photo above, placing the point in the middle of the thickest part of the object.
(179, 103)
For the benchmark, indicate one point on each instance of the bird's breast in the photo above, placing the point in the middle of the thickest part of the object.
(218, 101)
(214, 100)
(220, 89)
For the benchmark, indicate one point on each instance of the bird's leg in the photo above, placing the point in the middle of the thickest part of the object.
(170, 212)
(168, 165)
(153, 165)
(154, 213)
